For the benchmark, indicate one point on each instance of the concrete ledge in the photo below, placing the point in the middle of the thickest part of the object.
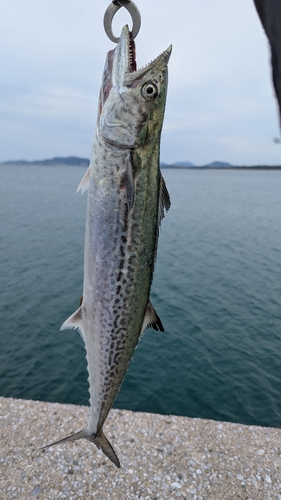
(162, 457)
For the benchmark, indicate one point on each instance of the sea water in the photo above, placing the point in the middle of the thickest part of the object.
(216, 288)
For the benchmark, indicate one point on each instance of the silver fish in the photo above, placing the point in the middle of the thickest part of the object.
(126, 201)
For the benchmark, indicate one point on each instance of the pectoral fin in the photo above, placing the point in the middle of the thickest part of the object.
(84, 183)
(127, 183)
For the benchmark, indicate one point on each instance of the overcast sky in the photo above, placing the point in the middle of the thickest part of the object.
(220, 106)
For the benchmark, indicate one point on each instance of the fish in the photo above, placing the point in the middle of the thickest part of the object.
(127, 199)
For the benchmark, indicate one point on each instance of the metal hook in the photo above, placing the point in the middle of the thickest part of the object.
(111, 11)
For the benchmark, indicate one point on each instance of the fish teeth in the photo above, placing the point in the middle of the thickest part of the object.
(166, 52)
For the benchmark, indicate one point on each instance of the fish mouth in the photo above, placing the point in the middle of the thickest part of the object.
(119, 62)
(124, 69)
(121, 66)
(132, 66)
(124, 59)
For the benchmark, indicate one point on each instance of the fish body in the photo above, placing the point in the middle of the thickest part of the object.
(126, 201)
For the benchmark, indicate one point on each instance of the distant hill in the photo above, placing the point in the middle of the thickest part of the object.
(188, 164)
(178, 164)
(57, 161)
(183, 164)
(218, 164)
(84, 162)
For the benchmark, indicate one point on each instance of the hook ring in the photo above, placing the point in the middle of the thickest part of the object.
(110, 13)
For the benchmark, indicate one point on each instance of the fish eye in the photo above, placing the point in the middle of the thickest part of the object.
(149, 91)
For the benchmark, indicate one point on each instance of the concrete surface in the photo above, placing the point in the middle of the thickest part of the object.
(162, 457)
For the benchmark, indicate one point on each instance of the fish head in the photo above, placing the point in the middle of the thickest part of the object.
(132, 101)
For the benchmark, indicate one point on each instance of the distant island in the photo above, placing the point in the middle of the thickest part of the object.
(59, 161)
(56, 162)
(218, 165)
(188, 164)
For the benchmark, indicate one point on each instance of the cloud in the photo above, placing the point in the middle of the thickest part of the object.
(220, 98)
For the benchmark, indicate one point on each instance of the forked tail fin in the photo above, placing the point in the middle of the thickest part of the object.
(100, 441)
(72, 437)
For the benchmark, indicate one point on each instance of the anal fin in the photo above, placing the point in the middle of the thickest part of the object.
(74, 321)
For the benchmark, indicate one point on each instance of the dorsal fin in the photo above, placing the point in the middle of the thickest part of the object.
(163, 204)
(164, 200)
(151, 319)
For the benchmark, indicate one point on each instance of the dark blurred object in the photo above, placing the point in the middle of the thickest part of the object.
(270, 15)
